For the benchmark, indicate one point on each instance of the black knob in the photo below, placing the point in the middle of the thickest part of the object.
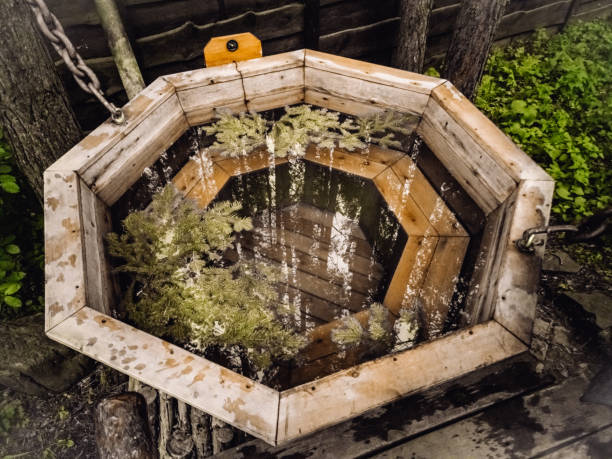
(232, 45)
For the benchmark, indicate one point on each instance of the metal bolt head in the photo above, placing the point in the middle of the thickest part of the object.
(232, 45)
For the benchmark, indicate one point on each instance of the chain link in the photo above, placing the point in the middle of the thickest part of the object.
(87, 80)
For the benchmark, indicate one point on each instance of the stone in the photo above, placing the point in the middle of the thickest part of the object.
(597, 303)
(32, 363)
(560, 262)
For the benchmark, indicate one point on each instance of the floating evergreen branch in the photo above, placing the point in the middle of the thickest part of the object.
(406, 328)
(301, 125)
(349, 333)
(379, 326)
(180, 290)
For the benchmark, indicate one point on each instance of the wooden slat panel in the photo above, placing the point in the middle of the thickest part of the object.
(198, 167)
(101, 294)
(108, 134)
(235, 399)
(271, 64)
(387, 76)
(517, 285)
(257, 160)
(314, 306)
(364, 91)
(500, 147)
(340, 104)
(410, 272)
(439, 284)
(113, 173)
(274, 82)
(276, 100)
(200, 102)
(408, 213)
(486, 182)
(64, 263)
(351, 162)
(208, 187)
(203, 77)
(323, 218)
(327, 401)
(431, 204)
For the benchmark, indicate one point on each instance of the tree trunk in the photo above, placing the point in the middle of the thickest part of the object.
(412, 35)
(471, 43)
(35, 114)
(312, 29)
(122, 428)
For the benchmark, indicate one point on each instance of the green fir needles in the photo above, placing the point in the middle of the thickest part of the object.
(180, 290)
(301, 125)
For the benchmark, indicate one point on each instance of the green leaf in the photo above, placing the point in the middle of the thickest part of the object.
(10, 187)
(12, 301)
(5, 168)
(12, 288)
(12, 249)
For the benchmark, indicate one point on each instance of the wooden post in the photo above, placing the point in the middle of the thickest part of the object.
(35, 113)
(122, 429)
(412, 35)
(472, 38)
(312, 29)
(120, 46)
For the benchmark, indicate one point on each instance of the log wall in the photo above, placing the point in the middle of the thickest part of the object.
(168, 35)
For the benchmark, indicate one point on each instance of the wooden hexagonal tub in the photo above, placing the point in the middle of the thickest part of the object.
(468, 195)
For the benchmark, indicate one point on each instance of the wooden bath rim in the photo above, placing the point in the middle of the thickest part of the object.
(512, 191)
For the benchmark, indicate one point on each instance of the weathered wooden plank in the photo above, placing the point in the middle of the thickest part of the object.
(208, 187)
(95, 215)
(431, 203)
(108, 134)
(410, 416)
(323, 218)
(274, 82)
(340, 104)
(402, 204)
(549, 420)
(487, 183)
(525, 21)
(276, 100)
(439, 284)
(199, 166)
(257, 160)
(516, 295)
(410, 272)
(114, 172)
(202, 102)
(313, 306)
(352, 162)
(387, 76)
(340, 16)
(364, 91)
(203, 77)
(235, 399)
(499, 146)
(595, 444)
(329, 400)
(271, 64)
(162, 48)
(64, 263)
(479, 299)
(590, 11)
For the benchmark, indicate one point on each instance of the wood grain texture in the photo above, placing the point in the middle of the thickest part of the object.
(318, 404)
(500, 147)
(217, 52)
(95, 215)
(254, 161)
(208, 186)
(487, 183)
(65, 288)
(429, 201)
(410, 272)
(235, 399)
(113, 173)
(108, 134)
(516, 295)
(402, 204)
(351, 162)
(439, 283)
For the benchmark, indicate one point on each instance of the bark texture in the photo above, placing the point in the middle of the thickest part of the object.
(312, 29)
(412, 35)
(471, 42)
(35, 113)
(122, 428)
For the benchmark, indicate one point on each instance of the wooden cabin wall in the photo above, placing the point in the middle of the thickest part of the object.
(168, 35)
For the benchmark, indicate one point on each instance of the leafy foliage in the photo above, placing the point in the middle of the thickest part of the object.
(553, 96)
(181, 290)
(21, 247)
(12, 415)
(301, 125)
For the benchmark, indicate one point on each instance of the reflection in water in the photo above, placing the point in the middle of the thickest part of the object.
(321, 229)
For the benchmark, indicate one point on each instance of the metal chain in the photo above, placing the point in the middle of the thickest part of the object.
(83, 75)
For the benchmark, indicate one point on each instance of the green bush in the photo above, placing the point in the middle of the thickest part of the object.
(21, 243)
(553, 96)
